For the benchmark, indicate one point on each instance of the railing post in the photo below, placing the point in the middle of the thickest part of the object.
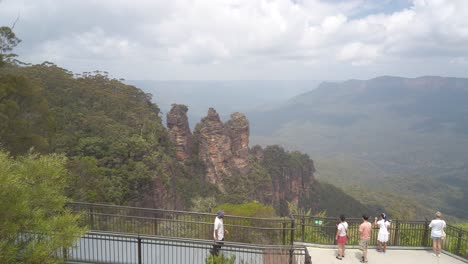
(302, 228)
(155, 227)
(284, 233)
(397, 230)
(308, 258)
(291, 241)
(426, 233)
(459, 242)
(293, 228)
(65, 253)
(139, 250)
(91, 218)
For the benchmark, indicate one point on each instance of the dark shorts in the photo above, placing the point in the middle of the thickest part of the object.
(342, 240)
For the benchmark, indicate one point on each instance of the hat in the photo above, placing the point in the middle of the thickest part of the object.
(220, 213)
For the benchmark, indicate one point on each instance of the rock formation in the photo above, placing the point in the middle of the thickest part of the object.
(237, 129)
(223, 148)
(179, 131)
(214, 147)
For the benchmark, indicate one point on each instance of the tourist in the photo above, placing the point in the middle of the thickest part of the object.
(218, 233)
(365, 230)
(382, 237)
(437, 234)
(341, 237)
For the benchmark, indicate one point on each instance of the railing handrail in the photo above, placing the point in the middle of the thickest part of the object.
(200, 241)
(278, 219)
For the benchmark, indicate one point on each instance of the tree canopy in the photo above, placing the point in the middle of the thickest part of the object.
(34, 224)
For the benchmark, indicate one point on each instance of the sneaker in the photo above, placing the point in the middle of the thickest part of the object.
(338, 257)
(434, 255)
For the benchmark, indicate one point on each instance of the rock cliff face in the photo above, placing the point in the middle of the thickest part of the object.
(214, 147)
(223, 148)
(179, 131)
(237, 129)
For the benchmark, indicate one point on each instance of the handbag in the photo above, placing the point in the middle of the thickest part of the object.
(444, 235)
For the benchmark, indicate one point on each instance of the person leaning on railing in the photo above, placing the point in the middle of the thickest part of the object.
(382, 236)
(437, 234)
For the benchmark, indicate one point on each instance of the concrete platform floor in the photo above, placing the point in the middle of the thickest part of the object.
(392, 256)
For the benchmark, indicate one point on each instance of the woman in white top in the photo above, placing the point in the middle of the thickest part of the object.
(437, 229)
(382, 237)
(341, 236)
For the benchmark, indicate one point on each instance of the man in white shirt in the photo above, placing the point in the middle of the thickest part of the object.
(218, 232)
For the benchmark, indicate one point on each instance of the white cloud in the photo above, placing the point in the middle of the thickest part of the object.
(358, 53)
(237, 34)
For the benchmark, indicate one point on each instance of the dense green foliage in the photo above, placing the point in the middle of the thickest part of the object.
(221, 259)
(250, 209)
(111, 132)
(34, 223)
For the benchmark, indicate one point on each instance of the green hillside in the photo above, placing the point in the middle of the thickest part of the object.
(401, 130)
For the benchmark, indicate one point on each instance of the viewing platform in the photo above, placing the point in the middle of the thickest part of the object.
(392, 256)
(120, 234)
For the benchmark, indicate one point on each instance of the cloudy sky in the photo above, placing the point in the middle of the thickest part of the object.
(244, 39)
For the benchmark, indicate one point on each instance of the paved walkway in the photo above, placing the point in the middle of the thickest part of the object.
(327, 256)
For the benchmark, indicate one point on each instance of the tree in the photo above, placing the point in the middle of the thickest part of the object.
(34, 223)
(8, 41)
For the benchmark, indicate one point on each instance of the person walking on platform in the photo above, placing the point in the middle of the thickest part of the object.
(218, 233)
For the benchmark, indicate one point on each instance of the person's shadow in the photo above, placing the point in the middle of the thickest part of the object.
(358, 255)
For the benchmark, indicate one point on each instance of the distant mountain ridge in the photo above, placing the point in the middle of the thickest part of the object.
(401, 126)
(225, 96)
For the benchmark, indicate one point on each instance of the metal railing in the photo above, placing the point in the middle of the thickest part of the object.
(319, 230)
(100, 247)
(183, 224)
(271, 231)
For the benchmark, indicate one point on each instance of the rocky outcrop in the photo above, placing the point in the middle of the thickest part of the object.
(179, 131)
(214, 147)
(258, 153)
(292, 175)
(273, 175)
(237, 129)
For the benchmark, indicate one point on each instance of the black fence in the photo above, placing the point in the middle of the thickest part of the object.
(271, 231)
(99, 247)
(318, 230)
(170, 223)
